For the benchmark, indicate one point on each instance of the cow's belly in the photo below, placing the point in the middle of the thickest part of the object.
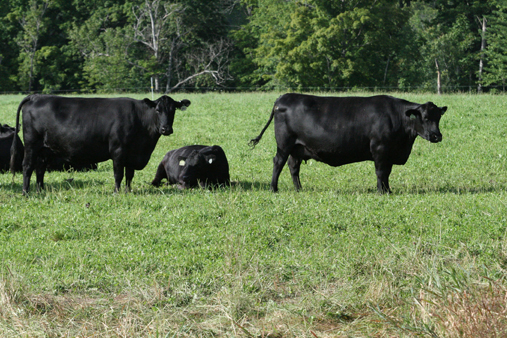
(332, 154)
(79, 151)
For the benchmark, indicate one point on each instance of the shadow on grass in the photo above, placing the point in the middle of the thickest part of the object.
(252, 186)
(455, 190)
(143, 188)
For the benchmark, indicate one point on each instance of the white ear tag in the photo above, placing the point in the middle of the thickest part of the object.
(413, 117)
(182, 163)
(210, 161)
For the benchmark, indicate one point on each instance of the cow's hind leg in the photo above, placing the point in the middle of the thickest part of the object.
(29, 165)
(28, 168)
(40, 170)
(294, 164)
(129, 175)
(278, 162)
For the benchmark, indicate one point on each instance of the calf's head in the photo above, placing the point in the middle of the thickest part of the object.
(425, 119)
(165, 108)
(196, 168)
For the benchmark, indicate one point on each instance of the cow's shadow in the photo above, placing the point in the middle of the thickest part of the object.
(252, 186)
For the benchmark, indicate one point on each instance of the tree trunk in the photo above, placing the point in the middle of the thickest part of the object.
(483, 46)
(385, 71)
(439, 79)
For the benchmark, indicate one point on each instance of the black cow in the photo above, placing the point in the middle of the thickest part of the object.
(53, 163)
(88, 130)
(192, 166)
(342, 130)
(7, 134)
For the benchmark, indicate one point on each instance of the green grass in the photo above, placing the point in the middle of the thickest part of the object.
(335, 259)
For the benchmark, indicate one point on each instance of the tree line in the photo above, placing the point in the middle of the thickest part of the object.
(107, 45)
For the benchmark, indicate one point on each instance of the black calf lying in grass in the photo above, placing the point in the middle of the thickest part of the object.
(193, 166)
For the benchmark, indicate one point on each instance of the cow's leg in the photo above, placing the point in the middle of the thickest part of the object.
(30, 159)
(278, 162)
(129, 175)
(40, 170)
(383, 170)
(118, 175)
(160, 175)
(284, 146)
(294, 164)
(28, 167)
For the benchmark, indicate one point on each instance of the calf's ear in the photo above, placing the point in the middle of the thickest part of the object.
(443, 110)
(183, 104)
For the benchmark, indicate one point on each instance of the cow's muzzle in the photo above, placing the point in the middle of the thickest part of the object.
(435, 137)
(166, 131)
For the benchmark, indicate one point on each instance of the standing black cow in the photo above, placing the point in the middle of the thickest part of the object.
(88, 130)
(192, 166)
(7, 135)
(342, 130)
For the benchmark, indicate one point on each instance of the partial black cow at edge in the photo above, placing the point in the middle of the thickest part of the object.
(342, 130)
(89, 130)
(53, 163)
(194, 166)
(7, 135)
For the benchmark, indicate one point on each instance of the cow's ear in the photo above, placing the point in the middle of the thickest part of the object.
(150, 103)
(443, 110)
(413, 113)
(182, 161)
(183, 104)
(211, 158)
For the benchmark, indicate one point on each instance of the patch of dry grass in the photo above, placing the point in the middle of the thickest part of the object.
(147, 313)
(474, 310)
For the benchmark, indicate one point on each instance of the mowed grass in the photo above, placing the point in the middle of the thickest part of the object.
(334, 260)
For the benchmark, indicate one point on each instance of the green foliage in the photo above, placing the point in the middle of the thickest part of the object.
(496, 69)
(269, 44)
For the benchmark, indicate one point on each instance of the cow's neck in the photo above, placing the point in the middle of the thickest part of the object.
(150, 121)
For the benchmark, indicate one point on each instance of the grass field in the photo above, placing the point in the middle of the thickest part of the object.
(334, 260)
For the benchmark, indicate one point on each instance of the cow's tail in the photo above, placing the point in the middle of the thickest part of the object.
(253, 142)
(15, 147)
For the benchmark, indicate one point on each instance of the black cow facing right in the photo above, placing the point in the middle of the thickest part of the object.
(193, 166)
(342, 130)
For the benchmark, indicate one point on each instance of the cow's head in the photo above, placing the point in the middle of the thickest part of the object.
(165, 108)
(425, 119)
(196, 167)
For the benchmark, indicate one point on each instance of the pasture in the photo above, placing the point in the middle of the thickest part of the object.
(334, 260)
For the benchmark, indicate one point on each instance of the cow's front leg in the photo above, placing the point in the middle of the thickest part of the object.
(118, 175)
(294, 166)
(129, 175)
(383, 170)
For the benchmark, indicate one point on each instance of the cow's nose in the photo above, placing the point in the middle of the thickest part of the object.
(166, 131)
(436, 137)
